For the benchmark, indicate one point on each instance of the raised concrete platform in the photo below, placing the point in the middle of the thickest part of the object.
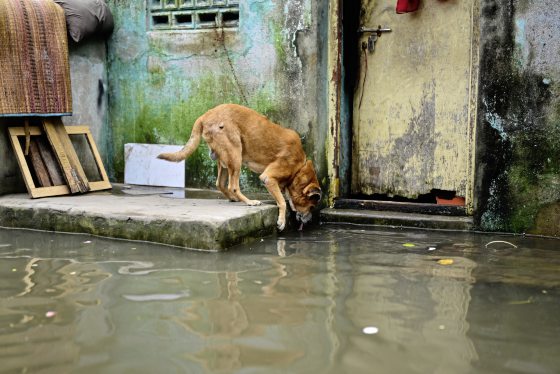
(397, 219)
(197, 223)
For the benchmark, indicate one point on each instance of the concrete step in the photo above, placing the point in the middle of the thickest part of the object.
(398, 219)
(196, 223)
(403, 207)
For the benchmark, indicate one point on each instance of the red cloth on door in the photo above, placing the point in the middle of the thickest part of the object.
(407, 6)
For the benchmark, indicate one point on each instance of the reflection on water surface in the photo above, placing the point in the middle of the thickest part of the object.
(298, 303)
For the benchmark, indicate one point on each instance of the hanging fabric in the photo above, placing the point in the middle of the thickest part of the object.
(407, 6)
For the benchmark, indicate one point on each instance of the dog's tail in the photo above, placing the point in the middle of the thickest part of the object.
(189, 148)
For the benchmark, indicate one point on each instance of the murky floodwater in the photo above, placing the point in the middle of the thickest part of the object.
(330, 300)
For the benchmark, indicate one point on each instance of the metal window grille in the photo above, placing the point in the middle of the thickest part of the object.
(192, 14)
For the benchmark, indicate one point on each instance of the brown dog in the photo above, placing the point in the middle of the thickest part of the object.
(238, 135)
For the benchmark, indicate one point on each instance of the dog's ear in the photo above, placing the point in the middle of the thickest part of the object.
(314, 194)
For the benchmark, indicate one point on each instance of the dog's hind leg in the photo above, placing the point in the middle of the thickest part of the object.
(233, 185)
(221, 183)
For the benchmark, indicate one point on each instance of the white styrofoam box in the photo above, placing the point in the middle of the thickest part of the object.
(141, 166)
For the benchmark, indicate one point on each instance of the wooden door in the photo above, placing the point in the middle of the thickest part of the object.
(414, 107)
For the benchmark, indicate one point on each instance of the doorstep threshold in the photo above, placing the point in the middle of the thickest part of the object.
(403, 207)
(397, 219)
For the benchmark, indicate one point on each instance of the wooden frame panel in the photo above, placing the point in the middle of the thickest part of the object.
(37, 192)
(104, 183)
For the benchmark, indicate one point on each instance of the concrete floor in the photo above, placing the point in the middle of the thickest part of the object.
(195, 219)
(201, 221)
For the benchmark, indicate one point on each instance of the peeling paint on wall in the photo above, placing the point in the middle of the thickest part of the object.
(412, 123)
(521, 44)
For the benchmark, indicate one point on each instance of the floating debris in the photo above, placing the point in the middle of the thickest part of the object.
(370, 330)
(432, 248)
(409, 245)
(87, 242)
(530, 300)
(14, 270)
(50, 314)
(445, 261)
(500, 241)
(158, 297)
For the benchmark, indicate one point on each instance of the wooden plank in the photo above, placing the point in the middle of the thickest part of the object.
(20, 131)
(76, 130)
(27, 136)
(27, 178)
(49, 191)
(50, 162)
(38, 165)
(66, 155)
(34, 192)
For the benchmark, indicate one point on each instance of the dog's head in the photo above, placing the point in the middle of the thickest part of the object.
(304, 192)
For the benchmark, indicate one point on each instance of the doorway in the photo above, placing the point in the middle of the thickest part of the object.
(411, 86)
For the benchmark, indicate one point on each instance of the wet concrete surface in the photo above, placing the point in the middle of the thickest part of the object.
(397, 219)
(188, 218)
(194, 219)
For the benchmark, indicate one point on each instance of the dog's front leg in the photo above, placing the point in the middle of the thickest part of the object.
(272, 186)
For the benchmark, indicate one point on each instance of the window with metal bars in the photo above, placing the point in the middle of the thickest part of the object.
(192, 14)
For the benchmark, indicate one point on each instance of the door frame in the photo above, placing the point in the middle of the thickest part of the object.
(340, 102)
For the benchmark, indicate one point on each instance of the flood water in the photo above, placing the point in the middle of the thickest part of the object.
(329, 300)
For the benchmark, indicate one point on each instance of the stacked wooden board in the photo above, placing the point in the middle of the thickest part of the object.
(49, 162)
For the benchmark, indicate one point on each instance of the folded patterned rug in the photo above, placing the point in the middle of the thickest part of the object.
(34, 68)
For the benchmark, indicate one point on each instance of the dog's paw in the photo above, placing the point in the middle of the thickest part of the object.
(281, 224)
(254, 202)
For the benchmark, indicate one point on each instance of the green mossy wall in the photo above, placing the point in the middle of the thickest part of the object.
(518, 147)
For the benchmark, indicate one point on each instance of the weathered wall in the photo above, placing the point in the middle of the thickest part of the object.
(518, 147)
(161, 81)
(88, 74)
(88, 71)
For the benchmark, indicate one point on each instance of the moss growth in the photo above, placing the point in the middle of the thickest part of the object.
(520, 153)
(154, 115)
(279, 43)
(157, 76)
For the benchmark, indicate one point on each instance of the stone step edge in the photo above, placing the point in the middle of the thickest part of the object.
(399, 219)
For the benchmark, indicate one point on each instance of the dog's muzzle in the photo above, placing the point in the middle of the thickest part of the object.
(303, 218)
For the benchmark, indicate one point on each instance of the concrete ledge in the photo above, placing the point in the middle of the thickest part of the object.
(387, 218)
(203, 224)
